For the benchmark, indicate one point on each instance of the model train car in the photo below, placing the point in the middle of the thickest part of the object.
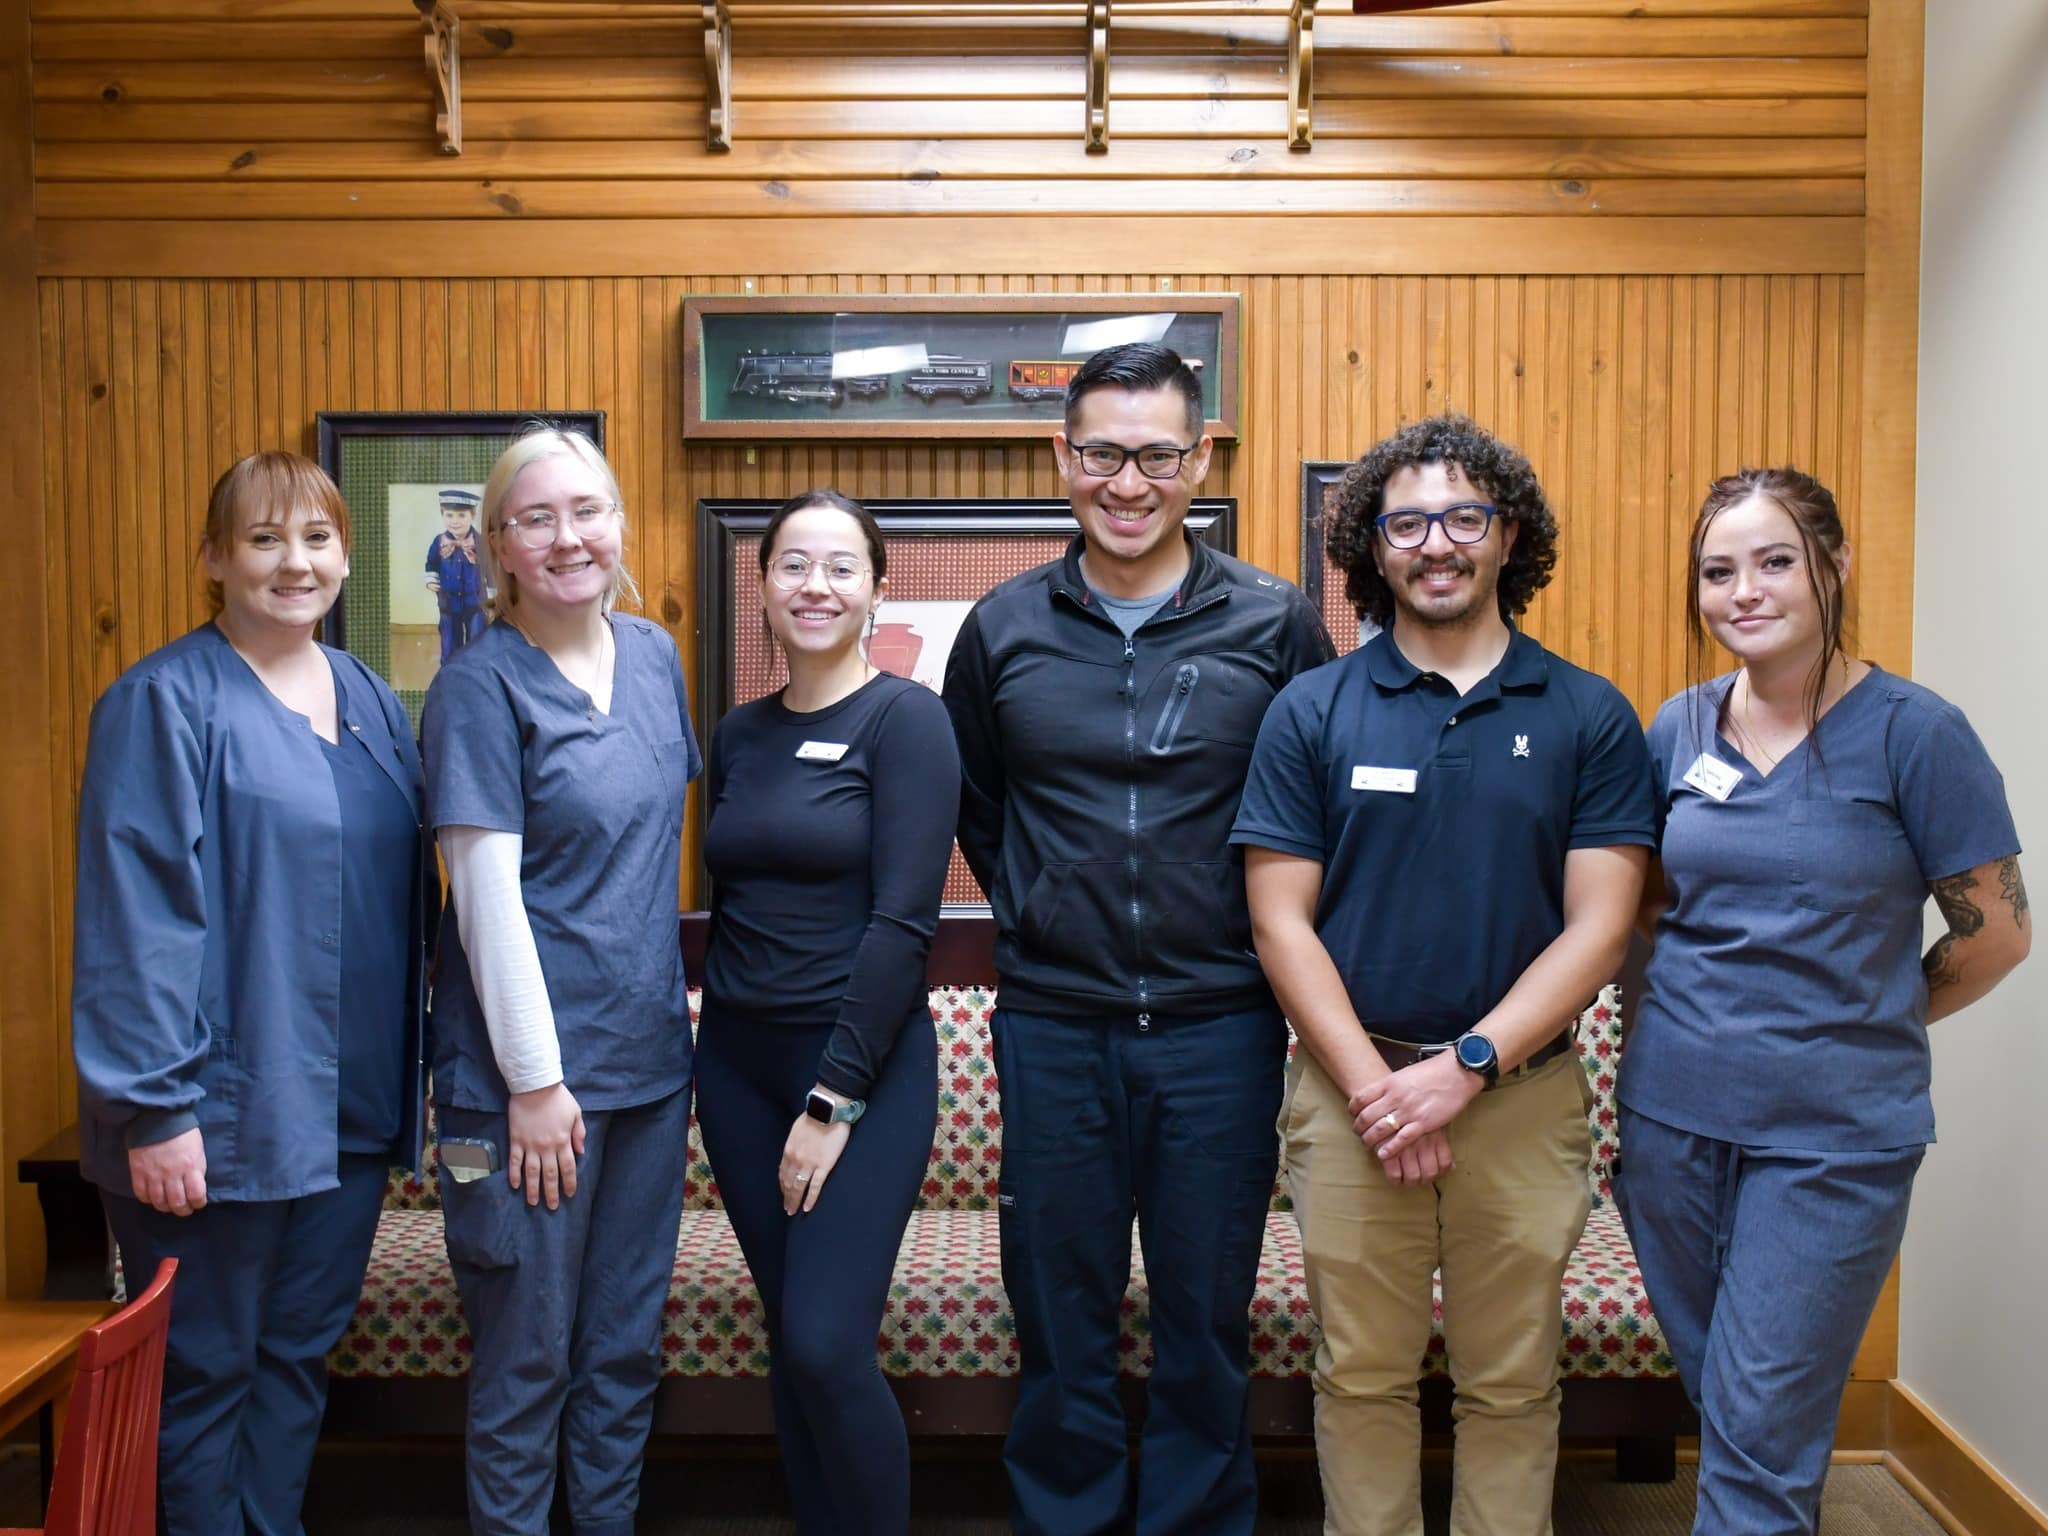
(800, 376)
(945, 374)
(1039, 380)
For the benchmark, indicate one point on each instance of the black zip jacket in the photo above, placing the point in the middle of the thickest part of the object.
(1100, 778)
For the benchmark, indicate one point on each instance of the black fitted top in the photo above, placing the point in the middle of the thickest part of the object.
(828, 838)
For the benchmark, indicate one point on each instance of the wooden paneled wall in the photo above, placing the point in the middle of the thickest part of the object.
(1648, 239)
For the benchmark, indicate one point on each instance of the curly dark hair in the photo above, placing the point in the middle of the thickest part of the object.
(1495, 467)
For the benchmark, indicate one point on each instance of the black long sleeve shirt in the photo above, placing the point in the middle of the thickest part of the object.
(828, 838)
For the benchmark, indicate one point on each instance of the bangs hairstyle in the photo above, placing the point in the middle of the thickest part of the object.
(1811, 506)
(267, 487)
(542, 441)
(870, 530)
(1495, 468)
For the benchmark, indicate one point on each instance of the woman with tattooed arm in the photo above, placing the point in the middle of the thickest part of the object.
(1775, 1089)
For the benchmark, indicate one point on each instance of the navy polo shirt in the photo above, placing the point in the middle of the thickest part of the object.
(1442, 820)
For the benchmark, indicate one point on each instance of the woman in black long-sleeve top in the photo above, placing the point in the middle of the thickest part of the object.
(832, 806)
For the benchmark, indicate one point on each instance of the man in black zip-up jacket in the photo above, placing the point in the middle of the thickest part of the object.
(1106, 705)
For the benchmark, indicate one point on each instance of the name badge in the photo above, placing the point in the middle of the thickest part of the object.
(1710, 776)
(821, 751)
(1393, 781)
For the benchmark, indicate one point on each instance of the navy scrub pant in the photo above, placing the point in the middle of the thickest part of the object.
(1764, 1265)
(1171, 1120)
(564, 1310)
(824, 1274)
(265, 1288)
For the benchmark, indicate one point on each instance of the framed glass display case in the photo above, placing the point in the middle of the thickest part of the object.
(931, 365)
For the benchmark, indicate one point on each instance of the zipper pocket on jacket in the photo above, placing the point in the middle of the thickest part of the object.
(1176, 708)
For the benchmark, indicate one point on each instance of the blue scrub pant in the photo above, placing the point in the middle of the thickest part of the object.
(1172, 1121)
(824, 1275)
(264, 1290)
(564, 1310)
(1764, 1265)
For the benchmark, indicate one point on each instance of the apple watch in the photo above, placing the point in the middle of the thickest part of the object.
(826, 1110)
(1476, 1054)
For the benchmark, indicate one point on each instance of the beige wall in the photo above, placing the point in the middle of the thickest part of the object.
(1972, 1341)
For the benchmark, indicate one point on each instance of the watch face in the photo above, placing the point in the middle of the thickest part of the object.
(819, 1109)
(1475, 1053)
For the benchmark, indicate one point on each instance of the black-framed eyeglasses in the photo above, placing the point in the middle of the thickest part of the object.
(1408, 527)
(535, 527)
(1156, 461)
(843, 573)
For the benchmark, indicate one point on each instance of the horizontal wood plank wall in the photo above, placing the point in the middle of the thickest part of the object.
(1628, 393)
(584, 123)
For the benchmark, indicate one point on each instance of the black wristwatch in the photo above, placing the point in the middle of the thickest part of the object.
(827, 1110)
(1476, 1054)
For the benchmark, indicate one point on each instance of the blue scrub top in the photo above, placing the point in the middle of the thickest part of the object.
(381, 832)
(1785, 1003)
(513, 746)
(1442, 820)
(208, 946)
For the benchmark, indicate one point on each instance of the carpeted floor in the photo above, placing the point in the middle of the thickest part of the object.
(958, 1491)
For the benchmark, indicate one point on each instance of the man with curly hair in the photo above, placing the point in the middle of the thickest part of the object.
(1445, 838)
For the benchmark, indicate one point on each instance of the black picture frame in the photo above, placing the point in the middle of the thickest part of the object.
(915, 530)
(366, 454)
(1321, 585)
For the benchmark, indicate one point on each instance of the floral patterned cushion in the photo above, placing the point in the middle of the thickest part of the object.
(947, 1314)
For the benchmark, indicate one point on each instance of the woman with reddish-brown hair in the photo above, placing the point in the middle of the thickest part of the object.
(246, 989)
(1774, 1094)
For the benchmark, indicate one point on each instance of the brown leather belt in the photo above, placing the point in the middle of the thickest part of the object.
(1400, 1053)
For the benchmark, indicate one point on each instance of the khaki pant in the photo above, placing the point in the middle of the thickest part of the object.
(1501, 1226)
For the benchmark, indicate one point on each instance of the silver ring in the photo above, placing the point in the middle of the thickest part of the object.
(803, 1178)
(1393, 1123)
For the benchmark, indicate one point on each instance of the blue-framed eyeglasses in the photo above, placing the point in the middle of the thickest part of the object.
(1408, 527)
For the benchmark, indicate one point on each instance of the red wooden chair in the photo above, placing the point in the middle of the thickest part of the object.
(106, 1467)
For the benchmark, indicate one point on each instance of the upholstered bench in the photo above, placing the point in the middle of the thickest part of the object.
(947, 1339)
(947, 1320)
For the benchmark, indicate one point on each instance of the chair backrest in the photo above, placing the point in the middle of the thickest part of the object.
(105, 1483)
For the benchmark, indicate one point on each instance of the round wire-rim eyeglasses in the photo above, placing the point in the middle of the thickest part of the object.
(536, 528)
(843, 573)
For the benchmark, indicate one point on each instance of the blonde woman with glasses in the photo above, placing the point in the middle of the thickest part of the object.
(559, 752)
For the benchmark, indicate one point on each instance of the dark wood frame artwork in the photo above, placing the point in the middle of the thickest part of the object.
(721, 523)
(333, 428)
(1323, 587)
(1229, 362)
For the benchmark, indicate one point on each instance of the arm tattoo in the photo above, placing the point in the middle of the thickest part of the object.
(1965, 917)
(1939, 963)
(2013, 888)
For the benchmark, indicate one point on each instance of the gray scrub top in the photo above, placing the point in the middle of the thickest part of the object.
(513, 746)
(1785, 1003)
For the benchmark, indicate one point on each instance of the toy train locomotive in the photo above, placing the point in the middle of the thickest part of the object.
(799, 377)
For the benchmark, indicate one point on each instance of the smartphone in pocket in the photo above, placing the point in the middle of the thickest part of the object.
(468, 1158)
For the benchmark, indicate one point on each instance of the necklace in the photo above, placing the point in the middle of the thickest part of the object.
(1749, 735)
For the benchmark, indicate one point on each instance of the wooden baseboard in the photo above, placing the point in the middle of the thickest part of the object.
(1860, 1433)
(1960, 1489)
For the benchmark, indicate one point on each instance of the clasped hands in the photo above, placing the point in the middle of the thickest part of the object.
(1401, 1117)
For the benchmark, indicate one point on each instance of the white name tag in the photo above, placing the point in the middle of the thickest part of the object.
(1710, 776)
(821, 751)
(1393, 781)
